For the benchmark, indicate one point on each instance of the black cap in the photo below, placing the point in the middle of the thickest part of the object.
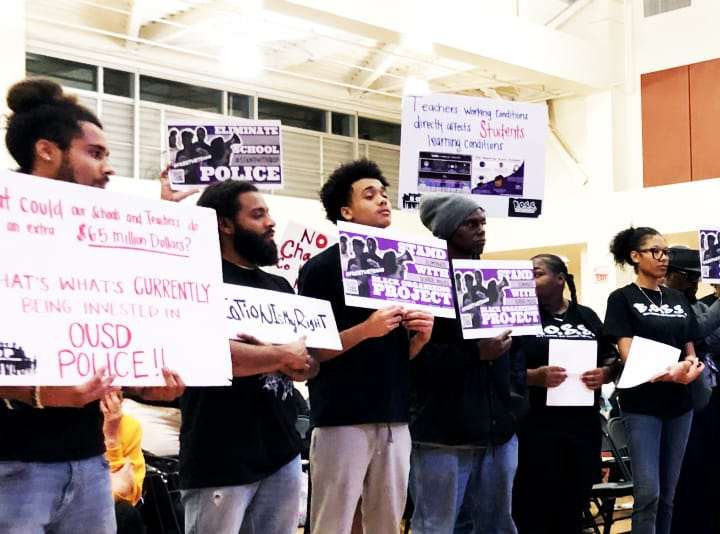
(684, 260)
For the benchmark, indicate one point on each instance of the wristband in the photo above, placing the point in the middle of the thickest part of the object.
(36, 402)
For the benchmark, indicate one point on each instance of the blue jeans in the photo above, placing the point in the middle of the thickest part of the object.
(269, 506)
(56, 498)
(442, 478)
(656, 448)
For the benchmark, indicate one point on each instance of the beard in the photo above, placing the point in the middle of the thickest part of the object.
(255, 248)
(66, 172)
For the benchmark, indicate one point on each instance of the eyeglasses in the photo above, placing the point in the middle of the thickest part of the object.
(657, 253)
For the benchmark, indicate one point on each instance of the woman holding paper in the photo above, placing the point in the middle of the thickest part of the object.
(657, 414)
(560, 438)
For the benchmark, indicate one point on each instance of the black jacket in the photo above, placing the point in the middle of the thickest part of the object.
(458, 399)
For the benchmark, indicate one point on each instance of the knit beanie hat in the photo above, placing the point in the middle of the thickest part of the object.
(442, 213)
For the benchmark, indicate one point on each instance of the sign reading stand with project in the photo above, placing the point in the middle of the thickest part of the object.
(381, 267)
(202, 153)
(494, 296)
(93, 279)
(493, 149)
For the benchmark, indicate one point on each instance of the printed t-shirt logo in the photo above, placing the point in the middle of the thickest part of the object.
(662, 311)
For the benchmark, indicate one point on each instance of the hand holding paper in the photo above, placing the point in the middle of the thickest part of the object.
(383, 321)
(577, 357)
(682, 372)
(294, 356)
(78, 396)
(494, 347)
(594, 378)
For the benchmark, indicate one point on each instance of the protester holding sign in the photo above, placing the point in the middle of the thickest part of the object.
(559, 445)
(359, 400)
(467, 397)
(52, 473)
(239, 450)
(657, 415)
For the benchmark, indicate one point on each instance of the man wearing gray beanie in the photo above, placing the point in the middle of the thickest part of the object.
(467, 397)
(442, 213)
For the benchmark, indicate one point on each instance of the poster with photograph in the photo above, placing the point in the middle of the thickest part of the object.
(381, 268)
(710, 255)
(206, 151)
(494, 149)
(93, 279)
(494, 296)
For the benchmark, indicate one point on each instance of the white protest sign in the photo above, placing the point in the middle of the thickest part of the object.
(206, 151)
(277, 317)
(576, 356)
(494, 296)
(298, 244)
(93, 279)
(493, 149)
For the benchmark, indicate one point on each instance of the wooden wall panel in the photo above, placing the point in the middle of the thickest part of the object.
(704, 81)
(666, 127)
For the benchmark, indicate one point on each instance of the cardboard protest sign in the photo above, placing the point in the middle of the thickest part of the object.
(94, 279)
(207, 151)
(298, 244)
(710, 255)
(494, 149)
(276, 317)
(381, 267)
(494, 296)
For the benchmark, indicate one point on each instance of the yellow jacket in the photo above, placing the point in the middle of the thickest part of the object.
(128, 450)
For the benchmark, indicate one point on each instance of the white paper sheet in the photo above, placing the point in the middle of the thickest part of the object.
(576, 356)
(647, 359)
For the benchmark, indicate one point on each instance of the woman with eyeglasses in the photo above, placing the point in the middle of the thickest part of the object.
(559, 445)
(657, 415)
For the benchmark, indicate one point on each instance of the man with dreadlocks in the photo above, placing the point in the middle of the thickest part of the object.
(467, 397)
(559, 445)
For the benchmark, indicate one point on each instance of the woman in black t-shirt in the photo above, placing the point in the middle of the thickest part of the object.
(657, 415)
(559, 445)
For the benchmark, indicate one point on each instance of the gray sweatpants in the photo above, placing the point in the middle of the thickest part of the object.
(348, 462)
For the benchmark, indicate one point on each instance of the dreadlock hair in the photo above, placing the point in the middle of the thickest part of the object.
(558, 266)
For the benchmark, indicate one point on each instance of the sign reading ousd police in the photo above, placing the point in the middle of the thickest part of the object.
(493, 149)
(202, 153)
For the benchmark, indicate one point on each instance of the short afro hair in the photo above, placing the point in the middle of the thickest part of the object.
(336, 192)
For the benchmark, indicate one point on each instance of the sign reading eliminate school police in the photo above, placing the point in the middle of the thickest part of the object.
(203, 153)
(93, 279)
(277, 317)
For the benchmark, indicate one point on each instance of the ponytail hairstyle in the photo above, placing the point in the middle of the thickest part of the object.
(628, 240)
(41, 110)
(557, 266)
